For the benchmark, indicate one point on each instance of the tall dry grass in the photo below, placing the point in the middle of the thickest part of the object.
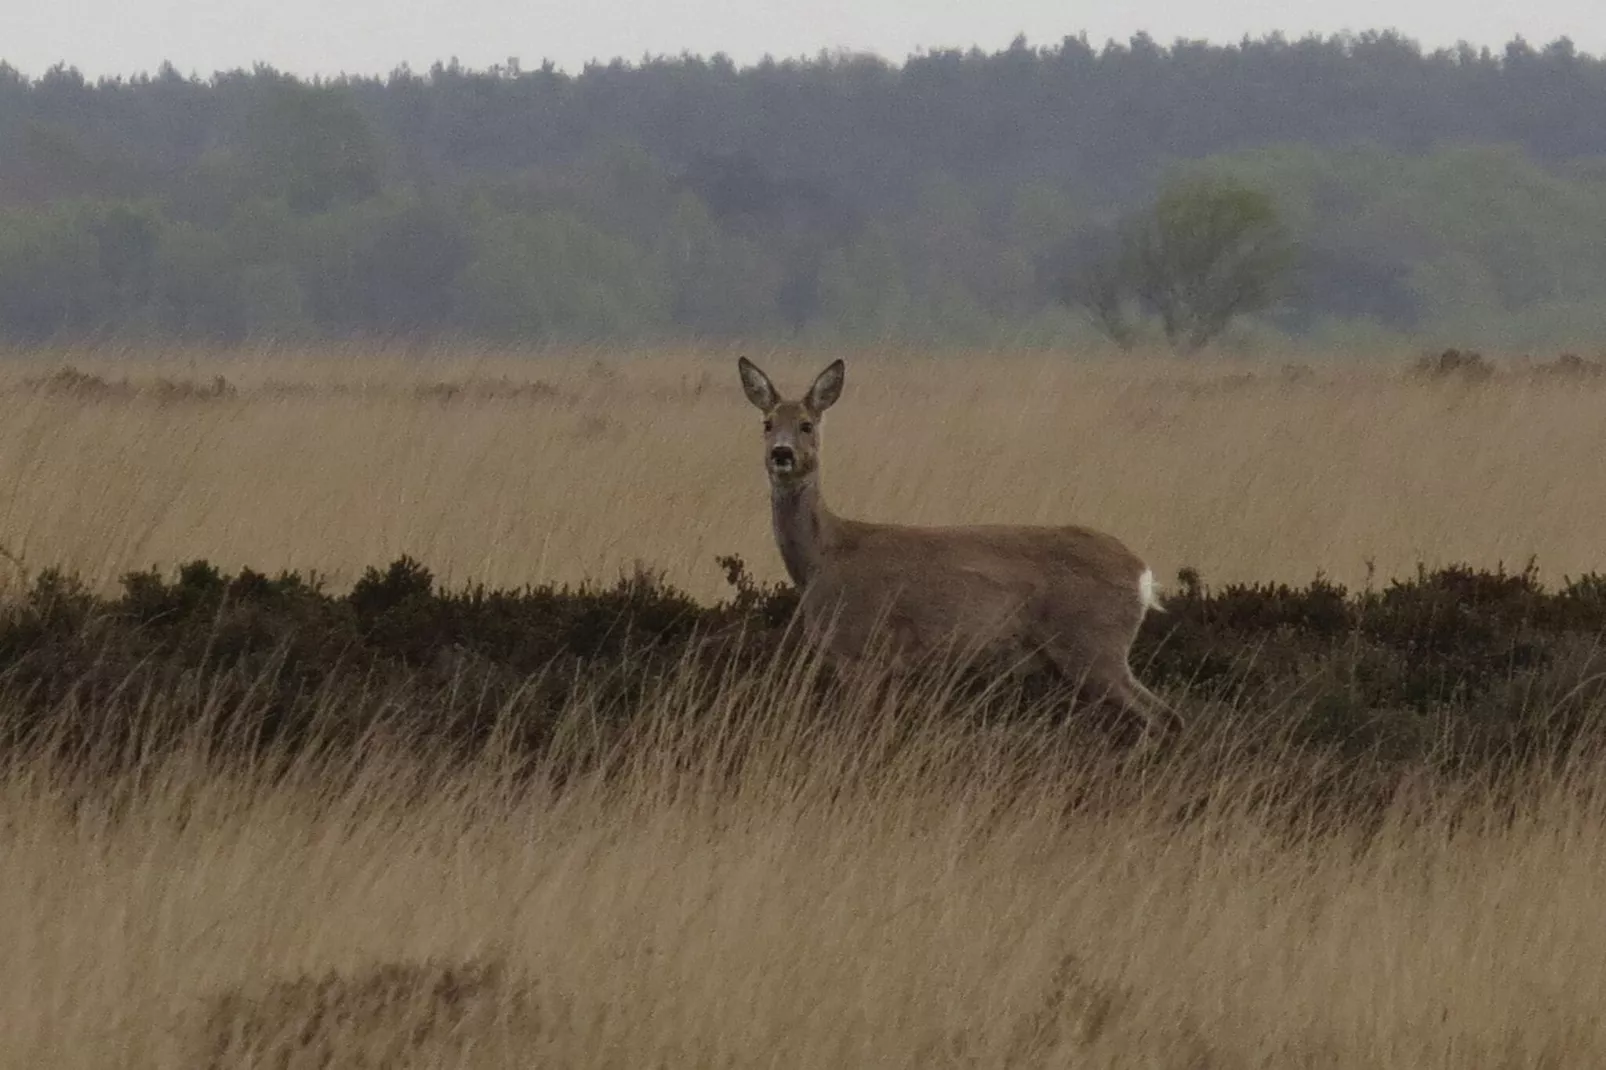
(510, 468)
(742, 883)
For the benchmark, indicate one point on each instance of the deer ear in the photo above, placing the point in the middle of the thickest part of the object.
(827, 388)
(756, 385)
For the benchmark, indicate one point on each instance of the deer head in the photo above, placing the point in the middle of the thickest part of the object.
(791, 428)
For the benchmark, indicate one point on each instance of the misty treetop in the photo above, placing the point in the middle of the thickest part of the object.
(956, 196)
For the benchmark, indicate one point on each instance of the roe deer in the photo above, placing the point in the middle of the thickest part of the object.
(1070, 596)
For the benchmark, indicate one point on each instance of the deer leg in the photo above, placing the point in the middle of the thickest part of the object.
(1159, 719)
(874, 663)
(1108, 683)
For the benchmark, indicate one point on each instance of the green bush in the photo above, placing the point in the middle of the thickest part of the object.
(1454, 365)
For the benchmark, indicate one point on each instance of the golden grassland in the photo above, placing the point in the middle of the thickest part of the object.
(524, 468)
(740, 883)
(743, 886)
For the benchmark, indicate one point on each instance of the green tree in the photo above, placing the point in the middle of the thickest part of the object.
(311, 146)
(1207, 252)
(198, 284)
(1093, 270)
(862, 289)
(50, 275)
(126, 239)
(272, 302)
(721, 283)
(550, 274)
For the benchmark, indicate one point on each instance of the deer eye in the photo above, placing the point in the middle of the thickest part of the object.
(769, 425)
(806, 427)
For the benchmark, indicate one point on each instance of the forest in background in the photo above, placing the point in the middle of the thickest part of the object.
(1446, 197)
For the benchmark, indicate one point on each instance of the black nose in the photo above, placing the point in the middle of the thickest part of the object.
(782, 456)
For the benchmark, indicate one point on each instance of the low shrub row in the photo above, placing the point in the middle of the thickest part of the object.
(1489, 662)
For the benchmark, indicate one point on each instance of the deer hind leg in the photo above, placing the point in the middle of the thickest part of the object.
(1108, 682)
(1159, 719)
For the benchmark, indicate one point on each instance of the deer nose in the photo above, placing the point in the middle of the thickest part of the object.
(782, 457)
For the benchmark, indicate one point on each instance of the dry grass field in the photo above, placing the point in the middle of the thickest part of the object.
(515, 469)
(740, 884)
(743, 887)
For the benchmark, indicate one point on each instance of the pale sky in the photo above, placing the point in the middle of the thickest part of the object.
(103, 37)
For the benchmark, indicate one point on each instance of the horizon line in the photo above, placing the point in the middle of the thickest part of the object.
(514, 65)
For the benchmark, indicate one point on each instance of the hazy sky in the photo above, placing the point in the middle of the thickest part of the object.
(374, 36)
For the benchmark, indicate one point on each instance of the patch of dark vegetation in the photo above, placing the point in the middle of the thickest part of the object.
(1454, 365)
(77, 670)
(216, 388)
(394, 1014)
(1570, 368)
(1454, 665)
(1078, 1012)
(498, 389)
(68, 382)
(1469, 367)
(1481, 663)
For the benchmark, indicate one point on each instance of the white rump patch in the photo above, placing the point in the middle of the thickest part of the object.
(1146, 593)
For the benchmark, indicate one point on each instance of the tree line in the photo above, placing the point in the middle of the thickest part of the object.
(1039, 192)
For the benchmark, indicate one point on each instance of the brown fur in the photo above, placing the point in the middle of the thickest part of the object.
(1069, 596)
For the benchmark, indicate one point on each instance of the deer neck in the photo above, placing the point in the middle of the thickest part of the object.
(804, 528)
